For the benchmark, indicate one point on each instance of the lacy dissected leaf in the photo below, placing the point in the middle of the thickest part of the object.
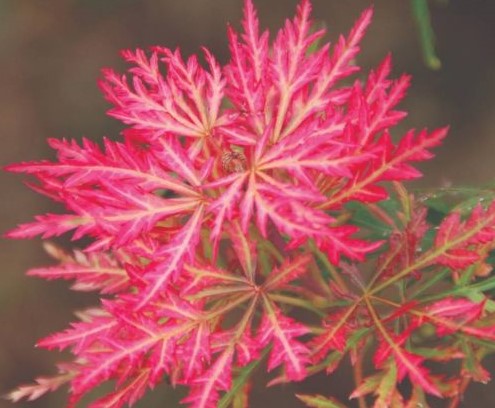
(94, 271)
(205, 389)
(319, 401)
(287, 272)
(245, 250)
(391, 162)
(283, 332)
(128, 394)
(337, 330)
(407, 363)
(383, 386)
(459, 243)
(43, 385)
(186, 101)
(137, 347)
(179, 250)
(80, 166)
(456, 316)
(95, 324)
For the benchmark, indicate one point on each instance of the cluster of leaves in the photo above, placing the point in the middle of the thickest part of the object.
(256, 212)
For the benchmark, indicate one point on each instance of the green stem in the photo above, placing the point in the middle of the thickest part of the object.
(288, 300)
(427, 36)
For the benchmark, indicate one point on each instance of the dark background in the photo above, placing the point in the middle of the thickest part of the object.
(51, 54)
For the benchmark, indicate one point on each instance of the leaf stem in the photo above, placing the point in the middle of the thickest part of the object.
(331, 268)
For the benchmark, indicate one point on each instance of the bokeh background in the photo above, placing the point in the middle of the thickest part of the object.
(51, 53)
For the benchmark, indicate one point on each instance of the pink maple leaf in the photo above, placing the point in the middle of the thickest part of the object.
(199, 221)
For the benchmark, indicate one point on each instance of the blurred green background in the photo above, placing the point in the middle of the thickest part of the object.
(51, 54)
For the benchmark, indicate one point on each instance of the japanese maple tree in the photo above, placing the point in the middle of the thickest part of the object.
(254, 217)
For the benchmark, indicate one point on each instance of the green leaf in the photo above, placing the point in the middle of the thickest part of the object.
(463, 199)
(367, 386)
(364, 218)
(241, 379)
(472, 291)
(330, 363)
(387, 384)
(437, 353)
(490, 306)
(356, 336)
(319, 401)
(472, 364)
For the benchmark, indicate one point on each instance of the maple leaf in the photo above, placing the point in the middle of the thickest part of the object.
(43, 385)
(282, 331)
(283, 151)
(185, 102)
(460, 242)
(226, 206)
(95, 271)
